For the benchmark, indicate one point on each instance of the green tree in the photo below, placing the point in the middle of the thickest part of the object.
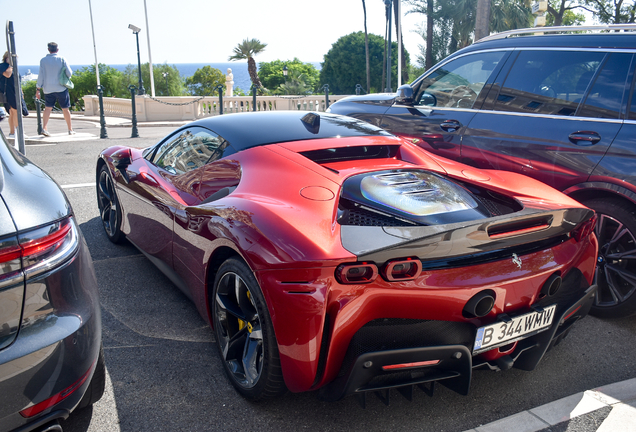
(344, 65)
(296, 84)
(237, 91)
(272, 77)
(176, 85)
(85, 82)
(175, 82)
(28, 89)
(247, 50)
(455, 20)
(561, 12)
(205, 81)
(612, 11)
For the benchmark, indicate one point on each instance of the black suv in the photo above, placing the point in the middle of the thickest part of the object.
(557, 107)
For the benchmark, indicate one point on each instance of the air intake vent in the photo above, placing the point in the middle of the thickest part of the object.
(360, 217)
(519, 227)
(352, 153)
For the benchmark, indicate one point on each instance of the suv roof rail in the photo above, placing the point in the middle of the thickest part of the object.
(559, 29)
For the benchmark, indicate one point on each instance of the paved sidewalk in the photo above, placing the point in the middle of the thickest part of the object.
(611, 408)
(86, 128)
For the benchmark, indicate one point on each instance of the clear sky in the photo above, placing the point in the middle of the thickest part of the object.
(193, 31)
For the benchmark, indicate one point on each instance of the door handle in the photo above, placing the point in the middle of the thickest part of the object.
(450, 125)
(584, 138)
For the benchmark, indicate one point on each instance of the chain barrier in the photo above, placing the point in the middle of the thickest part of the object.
(176, 104)
(293, 97)
(202, 97)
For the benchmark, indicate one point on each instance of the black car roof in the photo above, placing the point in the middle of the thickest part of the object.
(245, 130)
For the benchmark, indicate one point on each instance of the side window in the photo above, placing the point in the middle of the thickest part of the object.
(605, 98)
(191, 149)
(632, 106)
(458, 82)
(548, 82)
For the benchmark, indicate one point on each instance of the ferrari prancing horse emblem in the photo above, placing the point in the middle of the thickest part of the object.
(516, 260)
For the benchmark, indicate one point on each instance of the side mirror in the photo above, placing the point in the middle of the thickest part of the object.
(121, 158)
(404, 95)
(428, 100)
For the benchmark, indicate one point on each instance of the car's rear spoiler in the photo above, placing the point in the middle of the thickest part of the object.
(526, 231)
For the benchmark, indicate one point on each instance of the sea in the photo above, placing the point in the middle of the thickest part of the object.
(239, 70)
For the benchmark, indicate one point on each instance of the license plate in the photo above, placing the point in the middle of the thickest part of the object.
(501, 333)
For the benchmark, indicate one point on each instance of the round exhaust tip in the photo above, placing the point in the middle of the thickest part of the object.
(552, 285)
(480, 304)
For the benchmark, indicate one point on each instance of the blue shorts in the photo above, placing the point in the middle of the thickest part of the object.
(61, 98)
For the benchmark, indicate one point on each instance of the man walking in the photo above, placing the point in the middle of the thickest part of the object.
(51, 67)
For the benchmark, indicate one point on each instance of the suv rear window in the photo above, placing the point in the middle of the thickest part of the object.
(548, 82)
(605, 98)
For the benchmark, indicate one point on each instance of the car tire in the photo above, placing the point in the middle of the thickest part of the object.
(95, 389)
(108, 204)
(615, 271)
(244, 332)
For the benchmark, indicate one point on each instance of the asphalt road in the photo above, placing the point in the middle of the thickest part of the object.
(164, 373)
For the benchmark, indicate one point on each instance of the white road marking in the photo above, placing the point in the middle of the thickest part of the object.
(78, 185)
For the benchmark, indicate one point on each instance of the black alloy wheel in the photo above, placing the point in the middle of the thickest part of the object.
(245, 336)
(108, 204)
(616, 265)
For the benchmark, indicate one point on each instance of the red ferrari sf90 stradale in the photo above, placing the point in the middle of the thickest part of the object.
(329, 254)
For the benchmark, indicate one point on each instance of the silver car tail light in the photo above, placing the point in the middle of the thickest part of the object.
(45, 248)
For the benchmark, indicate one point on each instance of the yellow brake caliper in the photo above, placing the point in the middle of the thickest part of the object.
(243, 323)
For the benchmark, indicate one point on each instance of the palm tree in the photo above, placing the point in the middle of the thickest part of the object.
(247, 50)
(296, 84)
(366, 45)
(482, 19)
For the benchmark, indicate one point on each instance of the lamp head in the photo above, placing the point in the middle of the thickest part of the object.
(134, 28)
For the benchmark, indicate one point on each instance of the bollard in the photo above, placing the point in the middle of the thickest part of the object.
(326, 87)
(102, 120)
(220, 90)
(135, 132)
(38, 110)
(254, 89)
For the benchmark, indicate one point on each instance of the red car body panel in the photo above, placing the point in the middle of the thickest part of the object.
(282, 219)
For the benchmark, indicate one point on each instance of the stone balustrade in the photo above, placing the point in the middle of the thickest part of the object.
(180, 108)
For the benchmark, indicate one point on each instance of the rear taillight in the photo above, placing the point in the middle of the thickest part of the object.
(412, 365)
(39, 250)
(10, 254)
(358, 273)
(584, 229)
(402, 270)
(10, 262)
(56, 398)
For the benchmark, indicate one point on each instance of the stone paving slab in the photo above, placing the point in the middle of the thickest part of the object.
(620, 397)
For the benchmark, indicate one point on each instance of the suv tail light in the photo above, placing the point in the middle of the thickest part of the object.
(25, 256)
(39, 250)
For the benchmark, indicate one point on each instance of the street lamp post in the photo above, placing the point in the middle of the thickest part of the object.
(165, 75)
(136, 30)
(285, 72)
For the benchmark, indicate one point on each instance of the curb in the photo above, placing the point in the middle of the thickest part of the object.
(619, 397)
